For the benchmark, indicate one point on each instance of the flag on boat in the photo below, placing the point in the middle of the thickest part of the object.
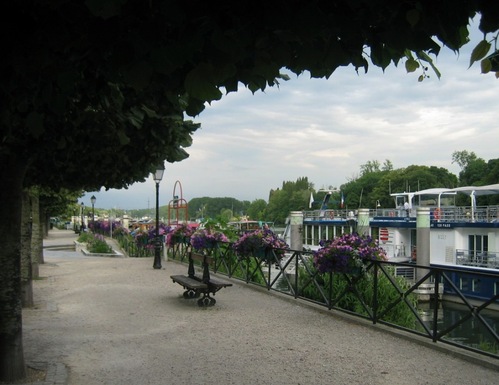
(311, 200)
(342, 200)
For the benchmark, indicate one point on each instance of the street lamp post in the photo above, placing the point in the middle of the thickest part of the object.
(158, 175)
(111, 224)
(81, 213)
(93, 199)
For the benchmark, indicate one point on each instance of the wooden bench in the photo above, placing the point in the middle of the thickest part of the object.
(196, 286)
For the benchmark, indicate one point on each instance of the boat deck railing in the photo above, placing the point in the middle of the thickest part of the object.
(489, 259)
(458, 214)
(384, 291)
(480, 214)
(329, 214)
(397, 251)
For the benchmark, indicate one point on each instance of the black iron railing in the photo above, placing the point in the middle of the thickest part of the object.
(434, 302)
(132, 248)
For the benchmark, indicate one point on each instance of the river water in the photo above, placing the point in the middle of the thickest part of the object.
(472, 332)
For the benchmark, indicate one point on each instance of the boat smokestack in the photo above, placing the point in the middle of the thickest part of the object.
(423, 239)
(296, 224)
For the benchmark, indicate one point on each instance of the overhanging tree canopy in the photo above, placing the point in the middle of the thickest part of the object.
(94, 91)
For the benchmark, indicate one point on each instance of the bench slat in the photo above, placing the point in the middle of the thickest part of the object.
(216, 283)
(190, 283)
(196, 285)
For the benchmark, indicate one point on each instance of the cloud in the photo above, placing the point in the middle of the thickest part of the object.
(326, 129)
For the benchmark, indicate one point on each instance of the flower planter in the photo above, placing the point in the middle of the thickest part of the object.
(180, 235)
(265, 254)
(355, 271)
(260, 253)
(113, 254)
(259, 244)
(347, 254)
(82, 248)
(181, 239)
(79, 246)
(207, 239)
(209, 244)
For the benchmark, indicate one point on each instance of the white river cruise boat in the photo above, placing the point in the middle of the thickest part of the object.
(461, 237)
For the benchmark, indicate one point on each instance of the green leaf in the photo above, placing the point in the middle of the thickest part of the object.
(136, 117)
(138, 113)
(195, 107)
(420, 78)
(257, 84)
(424, 56)
(139, 75)
(231, 85)
(485, 66)
(380, 56)
(66, 80)
(464, 35)
(479, 51)
(411, 65)
(199, 83)
(61, 143)
(104, 9)
(34, 122)
(149, 112)
(412, 17)
(408, 54)
(123, 138)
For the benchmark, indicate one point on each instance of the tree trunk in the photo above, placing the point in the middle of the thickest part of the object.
(43, 233)
(36, 235)
(12, 365)
(46, 226)
(26, 272)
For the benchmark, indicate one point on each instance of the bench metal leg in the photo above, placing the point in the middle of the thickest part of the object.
(206, 301)
(189, 294)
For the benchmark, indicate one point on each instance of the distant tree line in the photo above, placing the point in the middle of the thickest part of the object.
(224, 208)
(371, 186)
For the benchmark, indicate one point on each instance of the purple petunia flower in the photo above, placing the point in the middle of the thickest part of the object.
(345, 252)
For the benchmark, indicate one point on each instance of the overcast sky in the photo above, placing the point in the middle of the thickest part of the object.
(326, 129)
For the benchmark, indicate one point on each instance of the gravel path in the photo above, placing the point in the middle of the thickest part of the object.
(119, 321)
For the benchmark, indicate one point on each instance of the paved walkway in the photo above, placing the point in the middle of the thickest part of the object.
(102, 320)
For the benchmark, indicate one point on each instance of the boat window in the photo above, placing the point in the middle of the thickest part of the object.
(330, 232)
(475, 285)
(316, 234)
(308, 235)
(463, 284)
(478, 244)
(414, 239)
(323, 232)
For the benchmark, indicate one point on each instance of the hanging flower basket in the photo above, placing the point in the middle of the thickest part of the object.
(180, 235)
(260, 243)
(207, 239)
(181, 239)
(209, 244)
(347, 254)
(260, 252)
(142, 239)
(355, 271)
